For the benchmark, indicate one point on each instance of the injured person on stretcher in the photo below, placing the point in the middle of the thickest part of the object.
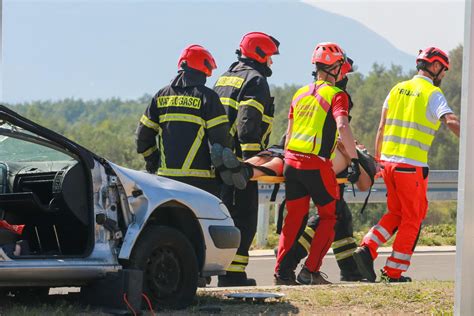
(268, 165)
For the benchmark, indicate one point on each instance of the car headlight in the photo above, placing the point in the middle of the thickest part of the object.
(224, 209)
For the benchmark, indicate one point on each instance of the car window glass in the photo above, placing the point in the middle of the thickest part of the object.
(16, 146)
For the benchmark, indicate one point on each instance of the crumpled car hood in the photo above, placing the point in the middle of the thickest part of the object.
(158, 190)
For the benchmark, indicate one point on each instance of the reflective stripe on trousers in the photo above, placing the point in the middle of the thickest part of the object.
(306, 238)
(407, 207)
(378, 235)
(344, 248)
(238, 264)
(398, 261)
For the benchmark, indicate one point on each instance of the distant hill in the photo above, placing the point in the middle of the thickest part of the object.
(125, 49)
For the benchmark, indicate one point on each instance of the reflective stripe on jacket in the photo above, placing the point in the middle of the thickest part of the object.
(408, 133)
(314, 127)
(185, 116)
(244, 92)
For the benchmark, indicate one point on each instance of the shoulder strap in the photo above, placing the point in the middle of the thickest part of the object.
(326, 105)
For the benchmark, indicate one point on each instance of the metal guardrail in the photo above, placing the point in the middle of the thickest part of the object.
(442, 186)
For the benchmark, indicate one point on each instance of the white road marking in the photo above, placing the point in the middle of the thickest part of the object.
(384, 255)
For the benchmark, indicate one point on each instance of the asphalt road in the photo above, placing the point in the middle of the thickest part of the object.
(439, 265)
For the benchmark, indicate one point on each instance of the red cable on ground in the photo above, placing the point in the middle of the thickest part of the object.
(149, 303)
(128, 304)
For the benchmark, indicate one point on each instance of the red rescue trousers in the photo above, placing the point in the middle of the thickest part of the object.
(301, 185)
(407, 206)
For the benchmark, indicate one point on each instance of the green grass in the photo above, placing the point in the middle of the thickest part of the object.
(431, 235)
(53, 307)
(426, 298)
(438, 235)
(419, 297)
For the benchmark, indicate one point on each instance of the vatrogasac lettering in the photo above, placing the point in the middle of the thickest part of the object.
(178, 100)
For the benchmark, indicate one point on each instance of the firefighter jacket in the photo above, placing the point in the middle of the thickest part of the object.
(187, 116)
(244, 92)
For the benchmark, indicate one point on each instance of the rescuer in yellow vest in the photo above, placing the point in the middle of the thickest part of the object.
(411, 115)
(318, 115)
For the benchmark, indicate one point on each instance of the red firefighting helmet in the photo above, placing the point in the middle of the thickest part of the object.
(259, 46)
(432, 54)
(328, 54)
(198, 58)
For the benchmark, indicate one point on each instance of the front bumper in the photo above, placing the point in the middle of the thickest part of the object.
(225, 237)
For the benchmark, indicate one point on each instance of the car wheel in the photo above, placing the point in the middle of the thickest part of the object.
(169, 265)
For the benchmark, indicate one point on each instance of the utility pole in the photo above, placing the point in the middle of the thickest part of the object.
(464, 287)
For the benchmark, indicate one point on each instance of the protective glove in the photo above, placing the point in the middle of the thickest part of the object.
(353, 172)
(152, 162)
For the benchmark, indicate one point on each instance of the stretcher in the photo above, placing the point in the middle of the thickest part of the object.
(278, 179)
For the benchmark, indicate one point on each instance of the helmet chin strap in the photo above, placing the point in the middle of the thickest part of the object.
(435, 76)
(328, 72)
(436, 80)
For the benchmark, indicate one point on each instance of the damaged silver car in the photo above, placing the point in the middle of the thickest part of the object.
(72, 218)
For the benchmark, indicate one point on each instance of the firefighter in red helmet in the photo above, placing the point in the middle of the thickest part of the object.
(186, 116)
(243, 90)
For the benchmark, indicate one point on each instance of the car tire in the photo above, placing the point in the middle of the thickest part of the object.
(169, 265)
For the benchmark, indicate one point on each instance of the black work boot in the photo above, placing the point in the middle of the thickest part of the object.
(241, 173)
(386, 278)
(285, 279)
(349, 270)
(351, 276)
(307, 277)
(235, 279)
(203, 281)
(216, 153)
(365, 263)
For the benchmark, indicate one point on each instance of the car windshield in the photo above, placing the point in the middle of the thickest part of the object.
(19, 145)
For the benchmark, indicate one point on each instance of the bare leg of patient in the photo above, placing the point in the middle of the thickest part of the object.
(340, 163)
(272, 163)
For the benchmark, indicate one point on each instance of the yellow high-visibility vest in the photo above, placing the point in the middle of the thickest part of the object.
(408, 133)
(311, 105)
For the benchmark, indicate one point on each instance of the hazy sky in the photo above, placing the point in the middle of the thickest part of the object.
(125, 48)
(408, 24)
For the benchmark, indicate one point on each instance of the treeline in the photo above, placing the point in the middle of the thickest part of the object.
(368, 94)
(107, 127)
